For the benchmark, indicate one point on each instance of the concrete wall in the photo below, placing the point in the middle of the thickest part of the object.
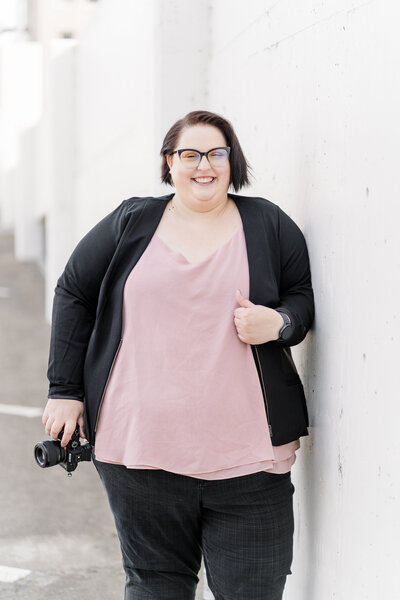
(313, 93)
(116, 105)
(314, 97)
(20, 110)
(183, 37)
(133, 81)
(59, 133)
(58, 18)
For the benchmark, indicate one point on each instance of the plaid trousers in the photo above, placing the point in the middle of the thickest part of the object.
(242, 526)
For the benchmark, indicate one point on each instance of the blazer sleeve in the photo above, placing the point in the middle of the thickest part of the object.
(75, 304)
(295, 290)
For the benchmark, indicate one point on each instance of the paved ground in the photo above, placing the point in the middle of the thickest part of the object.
(58, 528)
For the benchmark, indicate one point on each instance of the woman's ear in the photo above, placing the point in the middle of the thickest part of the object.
(169, 160)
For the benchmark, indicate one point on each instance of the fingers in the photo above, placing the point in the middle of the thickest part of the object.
(239, 319)
(63, 413)
(239, 296)
(81, 428)
(240, 313)
(48, 425)
(69, 429)
(240, 330)
(49, 422)
(245, 302)
(237, 325)
(53, 427)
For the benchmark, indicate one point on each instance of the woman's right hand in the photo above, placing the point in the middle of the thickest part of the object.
(59, 413)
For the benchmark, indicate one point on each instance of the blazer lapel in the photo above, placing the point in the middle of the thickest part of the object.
(261, 253)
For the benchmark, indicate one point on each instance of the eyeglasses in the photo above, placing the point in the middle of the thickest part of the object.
(217, 157)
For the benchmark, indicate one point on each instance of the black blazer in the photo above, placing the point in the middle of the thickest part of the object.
(87, 310)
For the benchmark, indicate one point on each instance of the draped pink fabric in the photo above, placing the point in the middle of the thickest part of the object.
(184, 393)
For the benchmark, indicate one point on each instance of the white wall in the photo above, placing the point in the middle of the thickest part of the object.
(115, 109)
(59, 18)
(20, 110)
(314, 94)
(13, 16)
(183, 49)
(58, 159)
(133, 82)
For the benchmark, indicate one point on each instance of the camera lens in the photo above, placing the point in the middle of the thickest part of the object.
(48, 454)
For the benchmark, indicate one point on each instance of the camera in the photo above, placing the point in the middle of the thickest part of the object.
(50, 452)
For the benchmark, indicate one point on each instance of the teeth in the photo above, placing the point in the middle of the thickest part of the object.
(203, 179)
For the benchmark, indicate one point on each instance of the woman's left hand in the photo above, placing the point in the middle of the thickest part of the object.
(256, 324)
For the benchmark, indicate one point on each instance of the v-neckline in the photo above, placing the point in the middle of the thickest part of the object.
(207, 257)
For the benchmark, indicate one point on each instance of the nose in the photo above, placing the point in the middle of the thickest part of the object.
(204, 164)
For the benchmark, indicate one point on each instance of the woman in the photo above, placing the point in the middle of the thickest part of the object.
(172, 327)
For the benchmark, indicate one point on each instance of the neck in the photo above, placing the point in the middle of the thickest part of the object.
(191, 211)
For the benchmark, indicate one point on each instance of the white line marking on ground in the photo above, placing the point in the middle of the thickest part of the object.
(11, 574)
(20, 411)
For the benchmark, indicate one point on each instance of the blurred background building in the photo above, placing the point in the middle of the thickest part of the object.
(87, 93)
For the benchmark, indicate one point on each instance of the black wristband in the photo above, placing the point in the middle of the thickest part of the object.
(286, 328)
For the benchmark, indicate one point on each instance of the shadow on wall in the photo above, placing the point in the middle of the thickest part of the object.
(310, 508)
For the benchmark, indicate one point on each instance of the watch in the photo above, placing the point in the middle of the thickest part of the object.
(286, 329)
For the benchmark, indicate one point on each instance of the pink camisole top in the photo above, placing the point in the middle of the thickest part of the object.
(184, 393)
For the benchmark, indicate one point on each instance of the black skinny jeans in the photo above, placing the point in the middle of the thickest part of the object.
(242, 526)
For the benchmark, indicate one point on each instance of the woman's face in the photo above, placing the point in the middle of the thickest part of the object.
(202, 187)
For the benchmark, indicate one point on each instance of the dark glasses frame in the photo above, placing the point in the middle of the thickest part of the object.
(201, 154)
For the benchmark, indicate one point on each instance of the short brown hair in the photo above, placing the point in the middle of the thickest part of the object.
(238, 163)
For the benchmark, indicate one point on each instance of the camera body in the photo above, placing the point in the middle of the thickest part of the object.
(50, 452)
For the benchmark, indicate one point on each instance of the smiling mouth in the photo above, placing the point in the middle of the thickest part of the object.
(203, 180)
